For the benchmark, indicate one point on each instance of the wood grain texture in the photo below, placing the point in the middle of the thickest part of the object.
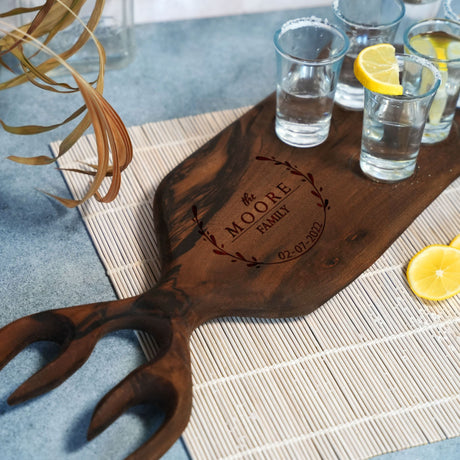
(247, 226)
(361, 219)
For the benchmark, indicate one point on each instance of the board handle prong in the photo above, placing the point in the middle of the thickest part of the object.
(165, 380)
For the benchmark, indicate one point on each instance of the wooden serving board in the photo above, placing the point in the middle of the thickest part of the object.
(250, 226)
(246, 226)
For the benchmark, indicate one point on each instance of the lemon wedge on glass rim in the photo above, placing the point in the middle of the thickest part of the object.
(376, 68)
(434, 272)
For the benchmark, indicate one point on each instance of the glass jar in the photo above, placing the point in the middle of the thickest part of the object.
(422, 9)
(416, 10)
(114, 31)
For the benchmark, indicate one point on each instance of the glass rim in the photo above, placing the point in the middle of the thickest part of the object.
(293, 24)
(422, 61)
(361, 25)
(422, 23)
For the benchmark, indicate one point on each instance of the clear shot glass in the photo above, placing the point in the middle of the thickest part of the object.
(366, 22)
(438, 40)
(309, 54)
(393, 125)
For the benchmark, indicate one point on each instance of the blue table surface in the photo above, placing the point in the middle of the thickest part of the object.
(47, 258)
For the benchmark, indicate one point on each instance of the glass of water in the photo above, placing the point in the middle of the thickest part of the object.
(393, 125)
(366, 22)
(309, 54)
(438, 40)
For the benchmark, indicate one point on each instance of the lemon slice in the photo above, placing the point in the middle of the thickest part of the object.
(376, 68)
(428, 45)
(440, 100)
(453, 50)
(423, 45)
(455, 243)
(434, 272)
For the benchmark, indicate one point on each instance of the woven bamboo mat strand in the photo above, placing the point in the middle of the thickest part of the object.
(373, 370)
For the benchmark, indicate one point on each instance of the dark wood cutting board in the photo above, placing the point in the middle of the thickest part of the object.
(246, 226)
(251, 226)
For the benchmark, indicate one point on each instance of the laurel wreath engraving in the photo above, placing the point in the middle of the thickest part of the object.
(219, 248)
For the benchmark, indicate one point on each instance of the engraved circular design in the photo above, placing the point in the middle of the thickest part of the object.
(277, 223)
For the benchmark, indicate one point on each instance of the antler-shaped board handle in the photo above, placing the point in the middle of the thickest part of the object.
(165, 380)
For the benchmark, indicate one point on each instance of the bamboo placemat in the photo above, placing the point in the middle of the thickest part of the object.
(373, 370)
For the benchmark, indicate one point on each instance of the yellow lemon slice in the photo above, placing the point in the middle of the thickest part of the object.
(423, 44)
(434, 272)
(455, 243)
(429, 45)
(453, 50)
(440, 100)
(440, 45)
(376, 68)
